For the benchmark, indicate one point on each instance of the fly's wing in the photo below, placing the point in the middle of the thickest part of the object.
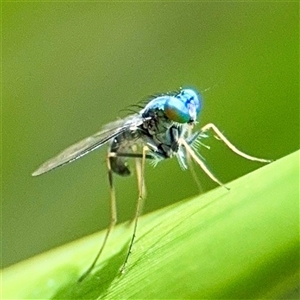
(89, 144)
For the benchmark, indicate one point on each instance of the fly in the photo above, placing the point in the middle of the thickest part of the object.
(161, 130)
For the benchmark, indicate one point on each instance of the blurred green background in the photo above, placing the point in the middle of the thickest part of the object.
(69, 68)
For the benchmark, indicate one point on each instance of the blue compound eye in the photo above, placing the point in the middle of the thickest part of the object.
(176, 110)
(193, 97)
(184, 107)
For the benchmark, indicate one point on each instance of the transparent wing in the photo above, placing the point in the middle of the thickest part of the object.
(89, 144)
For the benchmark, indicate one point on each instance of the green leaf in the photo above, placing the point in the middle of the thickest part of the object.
(242, 243)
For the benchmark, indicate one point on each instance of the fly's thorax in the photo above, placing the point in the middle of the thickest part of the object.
(165, 144)
(156, 122)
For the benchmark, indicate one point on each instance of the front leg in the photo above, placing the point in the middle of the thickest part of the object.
(221, 136)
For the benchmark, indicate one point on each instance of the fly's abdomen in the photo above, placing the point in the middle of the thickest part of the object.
(121, 147)
(119, 166)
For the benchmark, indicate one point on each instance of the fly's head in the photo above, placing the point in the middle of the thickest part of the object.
(184, 107)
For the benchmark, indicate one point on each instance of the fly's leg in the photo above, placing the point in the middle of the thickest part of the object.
(221, 136)
(140, 182)
(113, 217)
(139, 177)
(198, 160)
(191, 166)
(138, 207)
(194, 174)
